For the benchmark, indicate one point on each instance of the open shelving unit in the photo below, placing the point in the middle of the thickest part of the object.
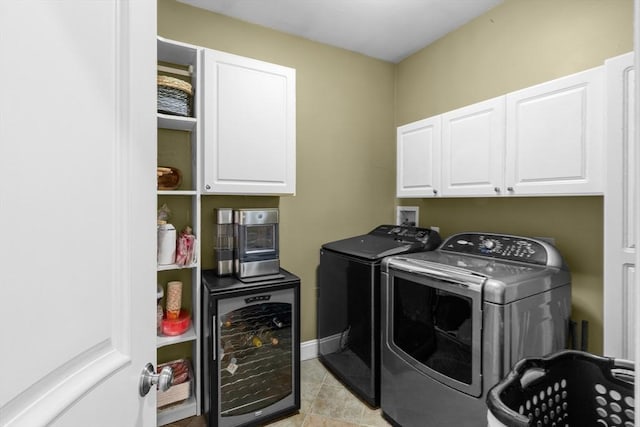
(183, 61)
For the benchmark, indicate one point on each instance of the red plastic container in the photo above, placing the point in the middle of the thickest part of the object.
(177, 326)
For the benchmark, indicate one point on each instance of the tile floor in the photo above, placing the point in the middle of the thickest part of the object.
(324, 402)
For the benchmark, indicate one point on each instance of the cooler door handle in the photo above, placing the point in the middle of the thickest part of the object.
(214, 341)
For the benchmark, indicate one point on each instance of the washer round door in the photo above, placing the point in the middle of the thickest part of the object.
(433, 321)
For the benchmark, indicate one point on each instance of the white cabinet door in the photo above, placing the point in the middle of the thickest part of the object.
(249, 126)
(77, 125)
(620, 234)
(473, 149)
(418, 161)
(554, 137)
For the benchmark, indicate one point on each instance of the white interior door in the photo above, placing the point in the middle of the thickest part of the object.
(620, 234)
(77, 208)
(636, 120)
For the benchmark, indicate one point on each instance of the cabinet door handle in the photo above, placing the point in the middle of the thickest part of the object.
(510, 189)
(496, 189)
(435, 192)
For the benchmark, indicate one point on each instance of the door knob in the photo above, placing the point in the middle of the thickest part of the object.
(148, 378)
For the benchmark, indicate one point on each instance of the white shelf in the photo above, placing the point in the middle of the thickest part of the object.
(177, 192)
(176, 52)
(167, 121)
(168, 267)
(177, 412)
(189, 335)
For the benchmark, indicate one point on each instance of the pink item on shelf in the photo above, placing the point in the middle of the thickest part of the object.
(186, 247)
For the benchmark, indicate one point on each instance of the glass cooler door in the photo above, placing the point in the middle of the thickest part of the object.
(256, 358)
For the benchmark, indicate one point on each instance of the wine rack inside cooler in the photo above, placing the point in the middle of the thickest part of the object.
(256, 366)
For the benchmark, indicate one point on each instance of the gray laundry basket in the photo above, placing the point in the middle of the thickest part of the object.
(569, 389)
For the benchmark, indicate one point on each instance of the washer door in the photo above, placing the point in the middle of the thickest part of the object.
(433, 321)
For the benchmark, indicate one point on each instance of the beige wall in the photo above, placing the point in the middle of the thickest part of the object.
(348, 106)
(515, 45)
(345, 140)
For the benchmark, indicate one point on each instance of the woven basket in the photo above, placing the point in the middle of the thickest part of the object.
(174, 96)
(181, 389)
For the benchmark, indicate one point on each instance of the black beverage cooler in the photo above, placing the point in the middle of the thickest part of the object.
(251, 349)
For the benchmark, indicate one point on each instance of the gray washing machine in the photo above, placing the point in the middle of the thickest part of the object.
(348, 323)
(455, 320)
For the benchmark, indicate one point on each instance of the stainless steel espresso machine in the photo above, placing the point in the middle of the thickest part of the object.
(247, 243)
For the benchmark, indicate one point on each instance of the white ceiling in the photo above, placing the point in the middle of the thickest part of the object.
(389, 30)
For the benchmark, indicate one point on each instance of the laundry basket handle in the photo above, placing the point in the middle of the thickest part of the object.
(528, 370)
(494, 401)
(624, 370)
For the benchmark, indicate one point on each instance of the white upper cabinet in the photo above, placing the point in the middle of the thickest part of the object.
(539, 141)
(473, 139)
(418, 158)
(249, 126)
(554, 136)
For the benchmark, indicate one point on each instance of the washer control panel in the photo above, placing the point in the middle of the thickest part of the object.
(408, 234)
(512, 248)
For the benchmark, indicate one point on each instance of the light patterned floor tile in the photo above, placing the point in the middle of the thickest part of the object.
(317, 421)
(373, 418)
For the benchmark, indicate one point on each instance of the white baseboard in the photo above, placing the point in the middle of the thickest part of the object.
(309, 350)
